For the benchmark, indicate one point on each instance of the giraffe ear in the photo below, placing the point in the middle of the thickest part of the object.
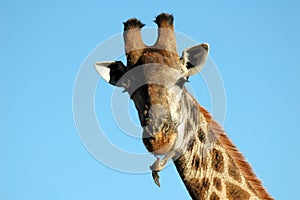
(111, 71)
(195, 57)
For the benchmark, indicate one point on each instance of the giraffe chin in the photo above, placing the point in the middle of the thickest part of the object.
(159, 143)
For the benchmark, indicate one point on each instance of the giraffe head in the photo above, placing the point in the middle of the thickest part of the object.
(154, 78)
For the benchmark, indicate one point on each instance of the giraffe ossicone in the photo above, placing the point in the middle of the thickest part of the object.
(175, 126)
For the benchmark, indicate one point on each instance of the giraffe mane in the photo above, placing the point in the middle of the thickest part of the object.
(236, 155)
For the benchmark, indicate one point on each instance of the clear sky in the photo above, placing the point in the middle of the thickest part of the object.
(255, 46)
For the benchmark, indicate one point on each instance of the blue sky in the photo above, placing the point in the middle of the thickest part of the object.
(255, 46)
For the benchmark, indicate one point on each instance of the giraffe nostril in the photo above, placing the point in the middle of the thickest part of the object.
(165, 128)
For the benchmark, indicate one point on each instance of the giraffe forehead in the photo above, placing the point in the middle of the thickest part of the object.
(156, 56)
(152, 73)
(162, 75)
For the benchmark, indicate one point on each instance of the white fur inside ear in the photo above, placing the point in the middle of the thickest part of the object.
(196, 56)
(103, 70)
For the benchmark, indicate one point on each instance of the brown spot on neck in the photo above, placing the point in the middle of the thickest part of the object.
(214, 196)
(234, 192)
(196, 162)
(233, 171)
(217, 183)
(198, 189)
(201, 135)
(217, 161)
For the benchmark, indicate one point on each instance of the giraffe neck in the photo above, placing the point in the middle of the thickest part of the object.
(208, 163)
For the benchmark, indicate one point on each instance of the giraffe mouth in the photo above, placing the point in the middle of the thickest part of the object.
(160, 141)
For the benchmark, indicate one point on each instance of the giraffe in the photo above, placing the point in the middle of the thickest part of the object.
(175, 126)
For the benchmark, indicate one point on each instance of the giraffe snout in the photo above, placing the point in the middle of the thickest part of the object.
(156, 126)
(156, 120)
